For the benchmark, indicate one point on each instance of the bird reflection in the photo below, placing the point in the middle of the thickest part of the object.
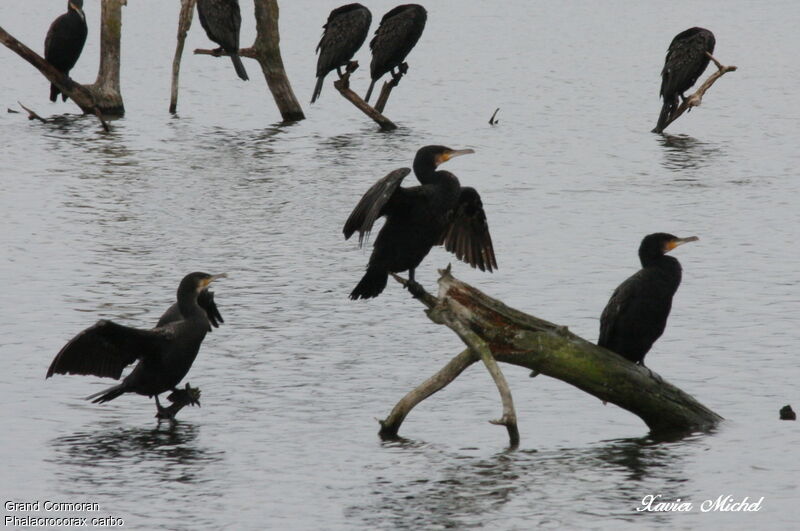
(682, 152)
(538, 487)
(166, 453)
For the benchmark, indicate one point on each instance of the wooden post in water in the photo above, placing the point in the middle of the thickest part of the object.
(184, 23)
(103, 97)
(266, 50)
(490, 329)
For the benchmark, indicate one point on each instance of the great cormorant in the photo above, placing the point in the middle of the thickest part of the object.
(686, 60)
(439, 212)
(64, 42)
(396, 35)
(637, 312)
(165, 353)
(345, 32)
(222, 19)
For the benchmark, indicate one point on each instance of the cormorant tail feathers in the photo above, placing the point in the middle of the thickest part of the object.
(372, 284)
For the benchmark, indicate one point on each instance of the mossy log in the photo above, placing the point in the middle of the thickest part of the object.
(103, 97)
(267, 51)
(510, 336)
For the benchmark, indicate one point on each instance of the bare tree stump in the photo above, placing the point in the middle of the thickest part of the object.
(697, 98)
(103, 97)
(266, 50)
(184, 23)
(492, 329)
(343, 86)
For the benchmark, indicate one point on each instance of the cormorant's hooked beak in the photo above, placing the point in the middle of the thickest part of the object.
(206, 281)
(447, 155)
(680, 241)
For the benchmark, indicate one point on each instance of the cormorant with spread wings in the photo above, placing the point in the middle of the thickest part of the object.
(439, 212)
(166, 352)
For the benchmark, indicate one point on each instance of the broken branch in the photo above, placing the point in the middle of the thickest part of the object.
(511, 336)
(697, 97)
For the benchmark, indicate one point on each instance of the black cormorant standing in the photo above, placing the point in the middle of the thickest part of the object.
(397, 34)
(439, 212)
(166, 352)
(345, 32)
(222, 19)
(686, 60)
(64, 42)
(637, 312)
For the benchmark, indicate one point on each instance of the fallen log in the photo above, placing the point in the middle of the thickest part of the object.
(489, 327)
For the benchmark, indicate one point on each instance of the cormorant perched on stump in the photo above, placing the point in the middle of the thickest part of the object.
(396, 35)
(439, 212)
(686, 60)
(345, 32)
(222, 19)
(637, 312)
(165, 353)
(64, 42)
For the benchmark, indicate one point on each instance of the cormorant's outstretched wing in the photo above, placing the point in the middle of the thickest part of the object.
(205, 300)
(686, 60)
(468, 233)
(373, 203)
(345, 32)
(106, 348)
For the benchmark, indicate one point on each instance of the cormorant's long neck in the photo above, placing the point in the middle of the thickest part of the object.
(668, 264)
(187, 304)
(425, 172)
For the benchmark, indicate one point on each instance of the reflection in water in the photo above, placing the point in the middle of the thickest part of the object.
(682, 152)
(165, 454)
(566, 479)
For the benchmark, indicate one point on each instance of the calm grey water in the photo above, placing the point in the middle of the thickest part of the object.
(104, 226)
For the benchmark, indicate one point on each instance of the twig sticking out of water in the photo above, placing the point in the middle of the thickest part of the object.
(32, 114)
(492, 120)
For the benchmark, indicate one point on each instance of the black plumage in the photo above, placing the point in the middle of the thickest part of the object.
(685, 62)
(397, 34)
(222, 20)
(165, 353)
(636, 314)
(439, 212)
(64, 42)
(345, 32)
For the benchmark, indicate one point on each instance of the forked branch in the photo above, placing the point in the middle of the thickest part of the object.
(490, 327)
(697, 98)
(343, 86)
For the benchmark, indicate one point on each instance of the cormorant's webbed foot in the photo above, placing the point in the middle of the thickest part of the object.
(217, 52)
(403, 68)
(163, 412)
